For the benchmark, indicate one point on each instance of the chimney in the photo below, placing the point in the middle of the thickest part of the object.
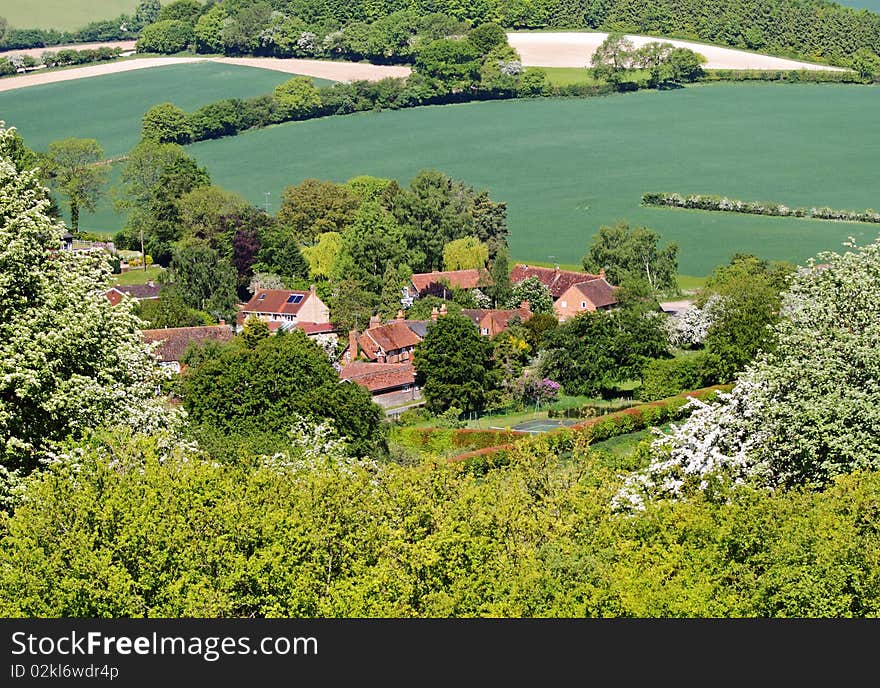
(375, 321)
(556, 269)
(313, 290)
(601, 273)
(434, 313)
(400, 315)
(525, 306)
(443, 309)
(222, 322)
(352, 345)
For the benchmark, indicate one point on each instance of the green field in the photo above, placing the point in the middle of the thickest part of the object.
(62, 14)
(566, 166)
(109, 108)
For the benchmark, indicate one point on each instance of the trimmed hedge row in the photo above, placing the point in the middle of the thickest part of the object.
(811, 76)
(605, 427)
(231, 116)
(439, 439)
(731, 205)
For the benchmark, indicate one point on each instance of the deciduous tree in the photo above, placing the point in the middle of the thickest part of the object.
(75, 168)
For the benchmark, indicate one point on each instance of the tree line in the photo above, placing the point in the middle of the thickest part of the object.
(383, 31)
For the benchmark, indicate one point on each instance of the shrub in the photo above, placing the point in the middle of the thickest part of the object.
(167, 37)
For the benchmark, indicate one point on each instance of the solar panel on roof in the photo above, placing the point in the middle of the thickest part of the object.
(294, 298)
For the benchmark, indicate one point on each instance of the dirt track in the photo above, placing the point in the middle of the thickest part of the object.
(36, 52)
(575, 50)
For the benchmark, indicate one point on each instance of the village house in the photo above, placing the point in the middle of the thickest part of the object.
(391, 342)
(286, 307)
(139, 292)
(174, 341)
(491, 321)
(573, 292)
(440, 283)
(390, 384)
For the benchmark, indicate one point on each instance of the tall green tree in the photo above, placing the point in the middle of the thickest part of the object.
(467, 253)
(155, 176)
(750, 292)
(633, 254)
(433, 210)
(205, 280)
(455, 366)
(165, 123)
(314, 207)
(594, 352)
(298, 98)
(263, 386)
(75, 169)
(612, 58)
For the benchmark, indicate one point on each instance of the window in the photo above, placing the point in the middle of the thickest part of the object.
(583, 304)
(564, 304)
(261, 297)
(485, 330)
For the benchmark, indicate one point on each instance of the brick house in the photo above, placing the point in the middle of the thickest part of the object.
(174, 341)
(492, 321)
(573, 292)
(287, 307)
(139, 292)
(391, 342)
(593, 295)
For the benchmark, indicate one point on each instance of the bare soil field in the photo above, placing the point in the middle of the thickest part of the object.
(36, 52)
(320, 69)
(576, 49)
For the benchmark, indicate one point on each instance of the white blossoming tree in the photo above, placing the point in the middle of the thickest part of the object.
(69, 360)
(806, 412)
(690, 327)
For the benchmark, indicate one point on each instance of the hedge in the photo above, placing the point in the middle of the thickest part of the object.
(812, 76)
(731, 205)
(440, 439)
(605, 427)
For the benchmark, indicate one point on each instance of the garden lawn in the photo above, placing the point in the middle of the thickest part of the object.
(62, 14)
(138, 276)
(567, 166)
(109, 108)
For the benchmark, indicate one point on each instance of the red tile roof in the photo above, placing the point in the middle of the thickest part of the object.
(386, 338)
(176, 340)
(275, 301)
(497, 320)
(557, 281)
(598, 292)
(140, 292)
(460, 279)
(379, 377)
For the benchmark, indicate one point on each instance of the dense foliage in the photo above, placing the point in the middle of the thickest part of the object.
(631, 255)
(382, 31)
(259, 384)
(128, 534)
(454, 366)
(594, 352)
(803, 413)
